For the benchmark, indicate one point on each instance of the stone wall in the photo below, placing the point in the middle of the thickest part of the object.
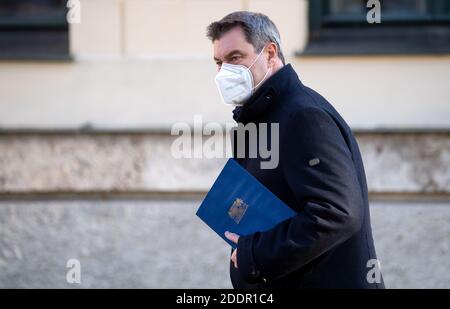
(154, 243)
(125, 208)
(399, 163)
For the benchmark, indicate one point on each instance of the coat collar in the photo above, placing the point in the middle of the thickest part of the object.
(267, 94)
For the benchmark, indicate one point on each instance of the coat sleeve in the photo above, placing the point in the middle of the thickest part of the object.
(318, 167)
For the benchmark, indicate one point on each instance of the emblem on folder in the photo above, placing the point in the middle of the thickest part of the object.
(237, 210)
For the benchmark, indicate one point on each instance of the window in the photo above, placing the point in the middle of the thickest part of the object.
(33, 29)
(407, 26)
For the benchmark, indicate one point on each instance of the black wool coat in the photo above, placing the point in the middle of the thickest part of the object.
(320, 175)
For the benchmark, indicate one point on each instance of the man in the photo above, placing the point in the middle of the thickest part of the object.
(320, 172)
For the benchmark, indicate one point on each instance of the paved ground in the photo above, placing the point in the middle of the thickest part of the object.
(161, 244)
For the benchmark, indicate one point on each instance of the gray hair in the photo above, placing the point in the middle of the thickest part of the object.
(258, 28)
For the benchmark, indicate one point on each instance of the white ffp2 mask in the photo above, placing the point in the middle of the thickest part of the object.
(235, 82)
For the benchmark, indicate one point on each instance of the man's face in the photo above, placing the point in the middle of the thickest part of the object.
(233, 48)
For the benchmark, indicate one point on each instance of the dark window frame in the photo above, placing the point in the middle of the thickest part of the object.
(405, 34)
(35, 38)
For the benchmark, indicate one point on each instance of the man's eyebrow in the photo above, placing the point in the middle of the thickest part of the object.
(233, 53)
(229, 55)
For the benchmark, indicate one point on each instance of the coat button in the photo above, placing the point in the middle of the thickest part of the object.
(254, 272)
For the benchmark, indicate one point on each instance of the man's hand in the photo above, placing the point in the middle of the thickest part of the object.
(234, 238)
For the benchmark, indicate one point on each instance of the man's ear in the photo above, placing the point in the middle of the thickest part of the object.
(272, 52)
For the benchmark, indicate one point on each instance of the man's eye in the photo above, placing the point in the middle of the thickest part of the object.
(235, 58)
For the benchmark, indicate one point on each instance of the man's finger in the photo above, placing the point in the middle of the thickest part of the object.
(232, 236)
(234, 258)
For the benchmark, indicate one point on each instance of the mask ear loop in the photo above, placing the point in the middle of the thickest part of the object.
(257, 57)
(262, 80)
(254, 61)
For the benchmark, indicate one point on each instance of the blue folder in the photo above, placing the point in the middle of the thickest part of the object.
(239, 203)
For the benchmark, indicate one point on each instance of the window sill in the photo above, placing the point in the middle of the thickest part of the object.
(379, 40)
(34, 45)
